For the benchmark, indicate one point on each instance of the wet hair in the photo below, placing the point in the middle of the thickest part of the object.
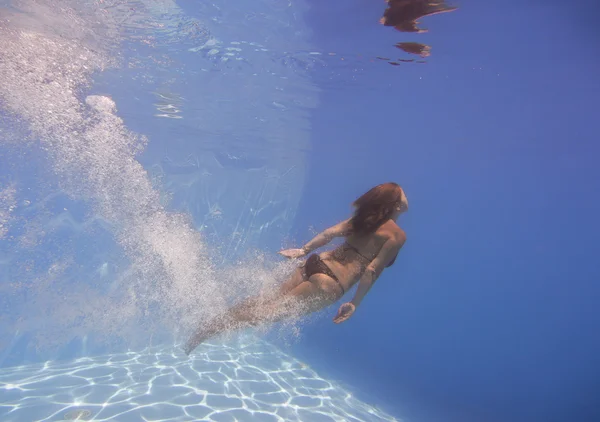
(375, 207)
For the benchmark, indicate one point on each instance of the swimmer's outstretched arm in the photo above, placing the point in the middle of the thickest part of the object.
(323, 238)
(327, 235)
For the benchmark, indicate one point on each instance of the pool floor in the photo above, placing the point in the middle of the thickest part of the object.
(255, 382)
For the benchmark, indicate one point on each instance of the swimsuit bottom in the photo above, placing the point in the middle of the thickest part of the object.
(315, 265)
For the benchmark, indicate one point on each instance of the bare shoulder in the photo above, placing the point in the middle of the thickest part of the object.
(391, 231)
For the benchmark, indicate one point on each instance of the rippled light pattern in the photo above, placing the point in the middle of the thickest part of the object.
(251, 382)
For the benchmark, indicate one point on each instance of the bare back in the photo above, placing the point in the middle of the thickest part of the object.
(349, 260)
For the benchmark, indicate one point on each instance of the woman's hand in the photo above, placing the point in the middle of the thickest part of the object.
(345, 312)
(292, 253)
(369, 274)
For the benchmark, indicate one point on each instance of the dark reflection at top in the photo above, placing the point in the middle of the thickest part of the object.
(404, 15)
(417, 48)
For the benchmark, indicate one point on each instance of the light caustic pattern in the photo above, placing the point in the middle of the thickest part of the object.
(251, 382)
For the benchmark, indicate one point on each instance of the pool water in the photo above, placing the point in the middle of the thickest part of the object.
(156, 154)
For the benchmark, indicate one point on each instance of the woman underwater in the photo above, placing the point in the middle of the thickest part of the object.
(372, 242)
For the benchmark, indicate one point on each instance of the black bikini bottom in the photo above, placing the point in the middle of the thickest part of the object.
(315, 265)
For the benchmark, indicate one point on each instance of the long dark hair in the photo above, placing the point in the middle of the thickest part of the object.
(375, 207)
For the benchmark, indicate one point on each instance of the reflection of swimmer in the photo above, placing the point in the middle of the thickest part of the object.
(372, 241)
(422, 50)
(404, 14)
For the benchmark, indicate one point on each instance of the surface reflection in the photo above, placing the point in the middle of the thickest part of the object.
(404, 16)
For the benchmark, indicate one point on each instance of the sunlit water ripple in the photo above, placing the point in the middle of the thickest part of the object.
(251, 382)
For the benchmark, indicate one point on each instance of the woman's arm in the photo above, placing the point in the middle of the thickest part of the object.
(386, 254)
(326, 236)
(323, 238)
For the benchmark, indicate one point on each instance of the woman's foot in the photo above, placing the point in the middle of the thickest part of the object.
(200, 336)
(190, 345)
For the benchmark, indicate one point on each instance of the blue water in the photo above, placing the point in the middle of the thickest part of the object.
(264, 121)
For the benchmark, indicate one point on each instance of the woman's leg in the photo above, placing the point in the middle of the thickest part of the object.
(306, 297)
(291, 283)
(243, 311)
